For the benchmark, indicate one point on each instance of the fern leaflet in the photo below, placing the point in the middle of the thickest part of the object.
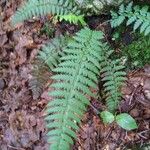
(71, 18)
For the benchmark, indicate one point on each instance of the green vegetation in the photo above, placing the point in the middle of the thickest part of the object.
(136, 15)
(77, 63)
(124, 120)
(48, 29)
(138, 52)
(39, 8)
(51, 52)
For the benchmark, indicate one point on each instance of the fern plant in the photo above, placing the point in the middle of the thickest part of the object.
(114, 77)
(136, 15)
(84, 58)
(111, 71)
(77, 72)
(33, 8)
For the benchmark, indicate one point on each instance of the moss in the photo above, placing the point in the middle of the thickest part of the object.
(138, 52)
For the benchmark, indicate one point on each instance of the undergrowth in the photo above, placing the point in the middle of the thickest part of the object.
(138, 52)
(134, 48)
(77, 63)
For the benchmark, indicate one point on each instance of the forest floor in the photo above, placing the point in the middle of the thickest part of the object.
(22, 112)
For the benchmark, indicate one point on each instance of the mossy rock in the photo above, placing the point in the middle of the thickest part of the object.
(98, 6)
(102, 6)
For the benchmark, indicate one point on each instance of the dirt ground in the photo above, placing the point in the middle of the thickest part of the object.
(22, 111)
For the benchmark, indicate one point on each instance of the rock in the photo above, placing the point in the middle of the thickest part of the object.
(147, 94)
(98, 6)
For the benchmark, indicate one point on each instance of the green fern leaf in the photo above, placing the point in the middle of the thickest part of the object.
(136, 15)
(71, 88)
(33, 8)
(114, 77)
(72, 18)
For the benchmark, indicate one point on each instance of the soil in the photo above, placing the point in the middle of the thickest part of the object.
(22, 111)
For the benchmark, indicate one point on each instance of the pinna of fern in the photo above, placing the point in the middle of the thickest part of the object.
(72, 18)
(33, 8)
(136, 15)
(74, 75)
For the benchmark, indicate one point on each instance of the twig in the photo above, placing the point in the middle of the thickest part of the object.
(17, 148)
(95, 110)
(133, 93)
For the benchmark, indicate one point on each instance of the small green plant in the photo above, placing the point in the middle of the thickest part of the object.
(124, 120)
(136, 15)
(48, 29)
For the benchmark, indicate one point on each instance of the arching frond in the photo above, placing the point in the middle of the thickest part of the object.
(73, 79)
(33, 8)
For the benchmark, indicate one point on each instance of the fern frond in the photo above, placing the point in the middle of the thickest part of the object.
(72, 18)
(136, 15)
(33, 8)
(114, 77)
(51, 53)
(73, 79)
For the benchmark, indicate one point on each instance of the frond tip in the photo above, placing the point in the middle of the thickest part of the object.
(71, 18)
(37, 8)
(74, 75)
